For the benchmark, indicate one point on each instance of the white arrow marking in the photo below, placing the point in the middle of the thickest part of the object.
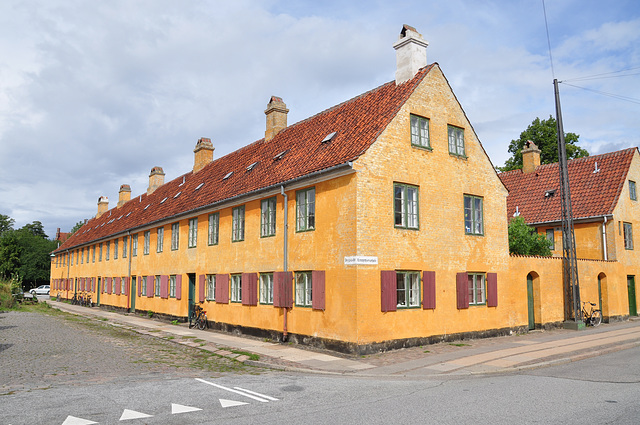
(230, 403)
(179, 408)
(72, 420)
(255, 393)
(233, 391)
(132, 414)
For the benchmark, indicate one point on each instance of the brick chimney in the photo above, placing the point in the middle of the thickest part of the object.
(276, 113)
(203, 154)
(103, 205)
(124, 195)
(156, 179)
(530, 157)
(411, 54)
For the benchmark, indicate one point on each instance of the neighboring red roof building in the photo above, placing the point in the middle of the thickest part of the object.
(61, 236)
(595, 183)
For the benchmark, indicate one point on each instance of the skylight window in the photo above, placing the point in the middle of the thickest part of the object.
(199, 186)
(176, 195)
(128, 214)
(119, 217)
(250, 167)
(227, 176)
(280, 155)
(162, 202)
(329, 137)
(147, 206)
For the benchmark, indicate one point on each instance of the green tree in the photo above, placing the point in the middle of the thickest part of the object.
(10, 252)
(36, 229)
(6, 223)
(544, 134)
(35, 257)
(77, 227)
(524, 240)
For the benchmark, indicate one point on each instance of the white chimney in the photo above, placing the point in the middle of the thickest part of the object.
(411, 54)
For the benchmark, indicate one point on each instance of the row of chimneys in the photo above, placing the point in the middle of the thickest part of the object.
(411, 56)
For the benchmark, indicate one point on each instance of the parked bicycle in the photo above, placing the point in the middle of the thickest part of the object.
(198, 318)
(590, 315)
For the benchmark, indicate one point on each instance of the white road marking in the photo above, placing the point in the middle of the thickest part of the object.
(230, 403)
(257, 394)
(179, 408)
(262, 400)
(132, 414)
(72, 420)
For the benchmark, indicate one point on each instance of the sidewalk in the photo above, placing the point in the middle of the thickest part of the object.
(490, 355)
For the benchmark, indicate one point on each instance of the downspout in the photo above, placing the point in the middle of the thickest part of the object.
(68, 272)
(604, 238)
(129, 282)
(285, 252)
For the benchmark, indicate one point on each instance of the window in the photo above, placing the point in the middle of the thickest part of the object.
(211, 287)
(115, 249)
(266, 288)
(123, 285)
(306, 210)
(408, 289)
(157, 286)
(214, 225)
(473, 215)
(175, 236)
(456, 141)
(93, 254)
(237, 227)
(107, 253)
(147, 240)
(236, 288)
(405, 206)
(420, 131)
(193, 233)
(125, 243)
(143, 286)
(100, 253)
(476, 288)
(632, 190)
(303, 289)
(172, 286)
(134, 245)
(628, 235)
(551, 238)
(82, 256)
(160, 240)
(268, 217)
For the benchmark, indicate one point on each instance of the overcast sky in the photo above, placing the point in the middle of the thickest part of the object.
(94, 94)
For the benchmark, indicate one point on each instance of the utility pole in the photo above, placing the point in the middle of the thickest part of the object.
(572, 310)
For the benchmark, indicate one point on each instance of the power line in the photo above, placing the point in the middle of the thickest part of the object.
(553, 74)
(605, 75)
(615, 96)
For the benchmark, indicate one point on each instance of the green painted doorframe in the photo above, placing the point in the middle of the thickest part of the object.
(192, 292)
(631, 288)
(532, 319)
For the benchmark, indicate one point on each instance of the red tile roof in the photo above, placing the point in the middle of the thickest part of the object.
(592, 193)
(357, 123)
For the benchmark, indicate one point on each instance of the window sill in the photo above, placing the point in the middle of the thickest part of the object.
(425, 148)
(455, 155)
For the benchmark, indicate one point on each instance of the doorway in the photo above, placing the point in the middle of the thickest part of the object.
(133, 294)
(99, 289)
(530, 305)
(631, 287)
(192, 293)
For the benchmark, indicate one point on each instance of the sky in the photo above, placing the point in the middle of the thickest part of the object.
(95, 94)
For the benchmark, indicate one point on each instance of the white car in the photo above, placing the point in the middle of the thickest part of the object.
(40, 290)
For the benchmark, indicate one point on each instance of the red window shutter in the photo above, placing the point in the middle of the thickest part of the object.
(222, 288)
(462, 290)
(283, 289)
(202, 279)
(178, 287)
(388, 290)
(164, 286)
(150, 291)
(126, 284)
(117, 285)
(492, 290)
(317, 289)
(249, 289)
(110, 280)
(429, 290)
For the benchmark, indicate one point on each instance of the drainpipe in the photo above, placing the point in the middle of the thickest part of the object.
(68, 272)
(285, 253)
(129, 283)
(604, 238)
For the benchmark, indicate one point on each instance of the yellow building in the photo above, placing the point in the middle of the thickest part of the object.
(377, 223)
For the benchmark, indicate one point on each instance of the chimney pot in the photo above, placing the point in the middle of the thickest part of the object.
(124, 195)
(156, 179)
(276, 113)
(103, 205)
(530, 157)
(203, 154)
(411, 54)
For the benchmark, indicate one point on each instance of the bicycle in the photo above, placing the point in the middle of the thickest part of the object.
(199, 318)
(591, 317)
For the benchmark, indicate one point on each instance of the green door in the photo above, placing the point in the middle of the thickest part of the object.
(600, 294)
(133, 294)
(99, 290)
(192, 292)
(532, 321)
(631, 286)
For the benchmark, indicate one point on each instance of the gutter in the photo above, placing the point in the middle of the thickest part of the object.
(575, 220)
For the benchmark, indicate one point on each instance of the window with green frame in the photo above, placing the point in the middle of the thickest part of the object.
(160, 239)
(147, 241)
(235, 292)
(405, 206)
(175, 236)
(115, 249)
(420, 131)
(193, 233)
(125, 244)
(303, 289)
(211, 288)
(172, 286)
(632, 191)
(551, 238)
(306, 209)
(456, 141)
(237, 225)
(628, 235)
(477, 293)
(473, 215)
(214, 226)
(143, 286)
(408, 289)
(134, 245)
(157, 286)
(268, 217)
(266, 288)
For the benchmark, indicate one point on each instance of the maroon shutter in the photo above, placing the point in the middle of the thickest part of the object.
(317, 289)
(283, 289)
(140, 285)
(202, 280)
(492, 290)
(164, 286)
(388, 290)
(178, 287)
(462, 290)
(109, 290)
(125, 282)
(150, 291)
(117, 285)
(249, 289)
(222, 288)
(429, 289)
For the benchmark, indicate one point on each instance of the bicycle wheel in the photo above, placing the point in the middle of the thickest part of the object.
(200, 323)
(596, 318)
